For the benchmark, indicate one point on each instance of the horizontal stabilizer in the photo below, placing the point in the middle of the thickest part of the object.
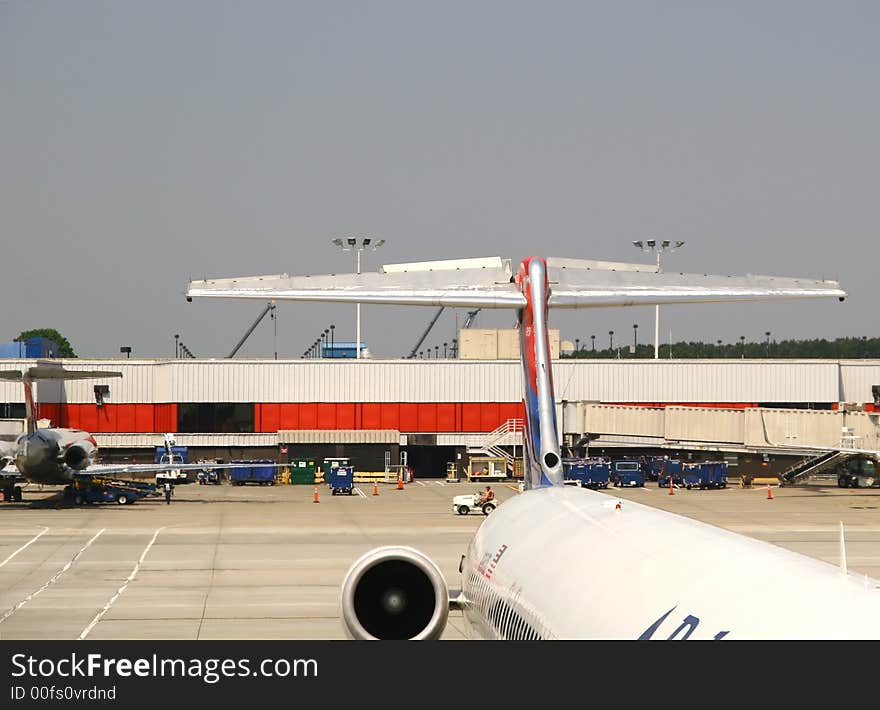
(601, 287)
(467, 283)
(43, 371)
(487, 283)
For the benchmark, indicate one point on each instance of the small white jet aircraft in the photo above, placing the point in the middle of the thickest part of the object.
(557, 562)
(57, 455)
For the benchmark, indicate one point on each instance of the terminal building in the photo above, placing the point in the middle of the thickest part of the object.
(434, 414)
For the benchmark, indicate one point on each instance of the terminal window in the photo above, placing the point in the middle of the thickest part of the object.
(12, 410)
(215, 417)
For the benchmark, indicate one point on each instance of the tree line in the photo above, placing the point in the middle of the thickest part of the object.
(819, 348)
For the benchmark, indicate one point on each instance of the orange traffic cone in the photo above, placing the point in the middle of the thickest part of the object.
(769, 493)
(617, 506)
(400, 483)
(375, 488)
(315, 500)
(671, 492)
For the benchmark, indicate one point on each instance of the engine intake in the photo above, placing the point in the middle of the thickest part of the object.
(394, 592)
(79, 455)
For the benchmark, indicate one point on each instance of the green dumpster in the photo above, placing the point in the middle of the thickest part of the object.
(302, 471)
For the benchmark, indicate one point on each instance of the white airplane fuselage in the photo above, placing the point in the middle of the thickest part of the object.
(567, 563)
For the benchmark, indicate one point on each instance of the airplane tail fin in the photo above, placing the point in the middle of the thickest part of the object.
(30, 408)
(47, 371)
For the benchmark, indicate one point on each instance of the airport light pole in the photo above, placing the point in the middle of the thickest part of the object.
(274, 332)
(658, 247)
(767, 333)
(635, 337)
(611, 341)
(176, 346)
(353, 244)
(593, 338)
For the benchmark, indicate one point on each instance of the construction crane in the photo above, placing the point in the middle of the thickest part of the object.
(469, 321)
(270, 306)
(415, 349)
(467, 324)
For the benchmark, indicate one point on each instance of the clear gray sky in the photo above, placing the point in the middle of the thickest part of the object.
(146, 143)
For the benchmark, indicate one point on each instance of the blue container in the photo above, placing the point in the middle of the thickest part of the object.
(628, 472)
(341, 480)
(254, 473)
(691, 473)
(713, 474)
(670, 468)
(589, 473)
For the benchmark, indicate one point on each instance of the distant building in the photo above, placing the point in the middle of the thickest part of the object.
(497, 343)
(343, 349)
(30, 348)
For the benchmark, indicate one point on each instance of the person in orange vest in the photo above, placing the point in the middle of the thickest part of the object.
(487, 495)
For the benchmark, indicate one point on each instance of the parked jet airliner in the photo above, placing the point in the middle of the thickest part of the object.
(56, 455)
(558, 562)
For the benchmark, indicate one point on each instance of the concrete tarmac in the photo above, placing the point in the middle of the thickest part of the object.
(266, 562)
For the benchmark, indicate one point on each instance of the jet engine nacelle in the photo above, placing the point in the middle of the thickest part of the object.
(79, 455)
(394, 593)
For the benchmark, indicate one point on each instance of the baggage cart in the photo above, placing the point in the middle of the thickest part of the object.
(341, 480)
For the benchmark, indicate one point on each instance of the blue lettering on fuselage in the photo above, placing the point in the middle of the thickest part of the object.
(687, 627)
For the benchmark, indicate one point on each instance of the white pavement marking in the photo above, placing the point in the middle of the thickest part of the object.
(51, 581)
(421, 484)
(31, 541)
(100, 614)
(359, 492)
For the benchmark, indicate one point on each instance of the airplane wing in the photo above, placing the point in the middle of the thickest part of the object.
(110, 470)
(487, 283)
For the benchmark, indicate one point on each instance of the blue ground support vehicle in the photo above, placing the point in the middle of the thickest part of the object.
(255, 473)
(588, 473)
(102, 489)
(671, 468)
(713, 474)
(702, 475)
(690, 475)
(627, 472)
(656, 466)
(206, 476)
(341, 480)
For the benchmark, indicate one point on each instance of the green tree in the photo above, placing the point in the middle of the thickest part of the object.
(64, 347)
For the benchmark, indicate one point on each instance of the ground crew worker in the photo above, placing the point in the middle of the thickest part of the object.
(167, 492)
(487, 495)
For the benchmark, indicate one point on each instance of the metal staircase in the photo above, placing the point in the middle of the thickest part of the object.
(813, 465)
(508, 434)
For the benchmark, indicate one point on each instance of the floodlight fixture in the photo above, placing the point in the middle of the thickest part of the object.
(658, 248)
